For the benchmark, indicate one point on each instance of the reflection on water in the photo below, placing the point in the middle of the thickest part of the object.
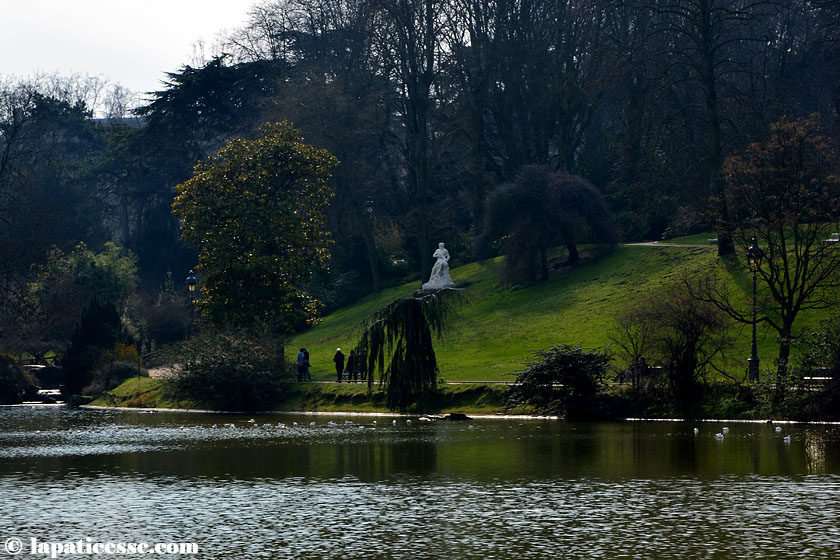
(483, 489)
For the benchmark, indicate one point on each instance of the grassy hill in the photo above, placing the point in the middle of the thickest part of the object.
(499, 327)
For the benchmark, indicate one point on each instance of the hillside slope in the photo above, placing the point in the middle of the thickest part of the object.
(498, 328)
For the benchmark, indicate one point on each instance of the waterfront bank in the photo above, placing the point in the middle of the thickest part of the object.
(468, 398)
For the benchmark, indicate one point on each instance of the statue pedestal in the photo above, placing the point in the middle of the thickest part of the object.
(432, 286)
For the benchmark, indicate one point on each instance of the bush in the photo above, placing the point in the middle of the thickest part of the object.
(231, 371)
(674, 329)
(562, 380)
(15, 385)
(99, 329)
(821, 358)
(111, 374)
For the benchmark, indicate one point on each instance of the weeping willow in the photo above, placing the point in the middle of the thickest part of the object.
(398, 342)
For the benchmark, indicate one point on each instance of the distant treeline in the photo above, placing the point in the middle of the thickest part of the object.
(429, 106)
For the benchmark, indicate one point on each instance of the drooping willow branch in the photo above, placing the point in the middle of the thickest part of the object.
(398, 340)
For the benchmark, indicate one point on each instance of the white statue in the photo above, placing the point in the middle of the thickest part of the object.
(440, 271)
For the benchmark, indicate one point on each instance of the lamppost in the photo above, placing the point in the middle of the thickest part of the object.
(191, 284)
(754, 256)
(370, 242)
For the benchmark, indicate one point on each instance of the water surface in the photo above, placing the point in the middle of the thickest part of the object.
(346, 488)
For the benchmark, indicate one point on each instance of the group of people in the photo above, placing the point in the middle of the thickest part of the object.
(356, 367)
(303, 365)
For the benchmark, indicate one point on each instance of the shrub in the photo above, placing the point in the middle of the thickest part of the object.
(14, 384)
(231, 371)
(100, 328)
(540, 210)
(684, 334)
(399, 336)
(111, 374)
(562, 379)
(820, 359)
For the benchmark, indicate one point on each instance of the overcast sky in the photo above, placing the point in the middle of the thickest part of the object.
(128, 42)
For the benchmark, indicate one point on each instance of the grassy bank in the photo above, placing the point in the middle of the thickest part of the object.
(717, 401)
(499, 327)
(145, 392)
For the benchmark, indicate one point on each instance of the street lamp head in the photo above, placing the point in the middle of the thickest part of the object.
(191, 282)
(754, 255)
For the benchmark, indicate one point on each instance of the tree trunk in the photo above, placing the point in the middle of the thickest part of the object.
(784, 356)
(714, 146)
(370, 248)
(571, 247)
(544, 263)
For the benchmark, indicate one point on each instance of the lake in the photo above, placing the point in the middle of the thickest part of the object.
(482, 489)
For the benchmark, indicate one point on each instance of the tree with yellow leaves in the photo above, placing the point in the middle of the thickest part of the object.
(256, 211)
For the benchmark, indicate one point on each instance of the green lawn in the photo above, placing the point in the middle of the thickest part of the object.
(147, 392)
(498, 327)
(696, 239)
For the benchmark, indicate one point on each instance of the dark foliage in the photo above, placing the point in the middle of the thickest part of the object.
(111, 374)
(400, 336)
(14, 384)
(99, 329)
(560, 380)
(166, 318)
(821, 359)
(680, 333)
(231, 371)
(539, 210)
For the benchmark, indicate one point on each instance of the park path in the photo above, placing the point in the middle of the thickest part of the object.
(666, 244)
(163, 372)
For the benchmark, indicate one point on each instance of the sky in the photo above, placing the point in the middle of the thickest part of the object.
(132, 43)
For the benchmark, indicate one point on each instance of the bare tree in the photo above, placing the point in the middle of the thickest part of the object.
(683, 333)
(409, 41)
(783, 191)
(703, 42)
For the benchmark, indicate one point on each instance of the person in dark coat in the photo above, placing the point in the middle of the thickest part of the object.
(362, 359)
(301, 364)
(351, 366)
(339, 363)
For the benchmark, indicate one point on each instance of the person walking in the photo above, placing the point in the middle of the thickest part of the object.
(351, 366)
(362, 359)
(307, 376)
(301, 364)
(339, 363)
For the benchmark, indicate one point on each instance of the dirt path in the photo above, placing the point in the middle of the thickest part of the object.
(666, 244)
(164, 372)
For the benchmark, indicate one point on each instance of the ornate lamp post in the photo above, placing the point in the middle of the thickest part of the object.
(754, 256)
(191, 284)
